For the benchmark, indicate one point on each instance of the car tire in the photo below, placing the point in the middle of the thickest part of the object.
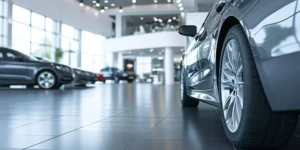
(259, 126)
(46, 80)
(186, 101)
(116, 79)
(130, 81)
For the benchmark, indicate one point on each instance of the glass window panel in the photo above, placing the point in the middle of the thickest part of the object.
(67, 31)
(66, 43)
(77, 34)
(4, 41)
(1, 8)
(50, 53)
(1, 25)
(5, 8)
(37, 36)
(21, 15)
(50, 25)
(22, 46)
(1, 44)
(38, 21)
(20, 31)
(50, 39)
(38, 50)
(4, 27)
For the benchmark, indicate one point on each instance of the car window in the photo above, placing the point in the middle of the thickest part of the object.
(11, 56)
(1, 55)
(104, 70)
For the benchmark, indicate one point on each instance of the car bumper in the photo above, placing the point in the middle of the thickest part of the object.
(65, 77)
(281, 82)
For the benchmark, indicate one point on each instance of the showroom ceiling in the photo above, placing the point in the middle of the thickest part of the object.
(150, 19)
(124, 3)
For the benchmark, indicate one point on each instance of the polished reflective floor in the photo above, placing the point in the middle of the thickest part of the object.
(110, 117)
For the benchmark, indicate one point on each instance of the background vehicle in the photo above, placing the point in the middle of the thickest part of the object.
(244, 61)
(100, 77)
(81, 77)
(19, 69)
(93, 77)
(116, 75)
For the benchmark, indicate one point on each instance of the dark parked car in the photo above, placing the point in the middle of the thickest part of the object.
(19, 69)
(116, 75)
(245, 61)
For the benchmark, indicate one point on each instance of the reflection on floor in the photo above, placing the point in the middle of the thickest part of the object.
(109, 117)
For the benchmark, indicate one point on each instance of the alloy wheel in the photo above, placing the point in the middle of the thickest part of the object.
(232, 85)
(46, 80)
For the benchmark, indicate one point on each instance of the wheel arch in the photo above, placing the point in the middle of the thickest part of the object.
(42, 70)
(227, 24)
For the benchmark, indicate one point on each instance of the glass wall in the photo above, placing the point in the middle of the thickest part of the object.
(92, 57)
(69, 44)
(33, 33)
(3, 23)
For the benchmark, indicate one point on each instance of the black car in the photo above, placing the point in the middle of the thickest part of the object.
(19, 69)
(116, 75)
(245, 61)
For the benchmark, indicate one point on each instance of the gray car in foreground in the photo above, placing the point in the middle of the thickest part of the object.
(19, 69)
(245, 61)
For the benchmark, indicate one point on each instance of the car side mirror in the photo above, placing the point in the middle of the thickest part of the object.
(188, 30)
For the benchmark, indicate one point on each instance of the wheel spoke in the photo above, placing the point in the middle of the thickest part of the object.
(239, 70)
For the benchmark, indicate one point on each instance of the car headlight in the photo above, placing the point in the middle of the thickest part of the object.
(62, 68)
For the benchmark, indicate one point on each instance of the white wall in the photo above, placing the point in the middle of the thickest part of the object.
(69, 12)
(144, 41)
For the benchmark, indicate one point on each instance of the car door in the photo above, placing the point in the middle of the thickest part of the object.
(17, 69)
(199, 60)
(2, 71)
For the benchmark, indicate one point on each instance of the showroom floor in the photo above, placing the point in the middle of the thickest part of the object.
(110, 117)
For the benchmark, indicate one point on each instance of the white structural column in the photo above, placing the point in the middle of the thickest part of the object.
(115, 59)
(118, 23)
(169, 66)
(120, 61)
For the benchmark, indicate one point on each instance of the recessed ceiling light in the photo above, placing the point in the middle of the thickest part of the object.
(94, 1)
(106, 1)
(170, 20)
(102, 10)
(81, 3)
(105, 7)
(181, 8)
(120, 9)
(160, 58)
(160, 20)
(142, 18)
(180, 5)
(174, 18)
(155, 19)
(178, 1)
(98, 5)
(151, 50)
(134, 1)
(112, 4)
(169, 1)
(155, 1)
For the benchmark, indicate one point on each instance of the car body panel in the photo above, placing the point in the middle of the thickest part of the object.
(25, 71)
(271, 56)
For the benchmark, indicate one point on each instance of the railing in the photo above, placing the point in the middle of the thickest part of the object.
(138, 30)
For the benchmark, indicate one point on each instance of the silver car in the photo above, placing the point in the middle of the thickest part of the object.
(245, 61)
